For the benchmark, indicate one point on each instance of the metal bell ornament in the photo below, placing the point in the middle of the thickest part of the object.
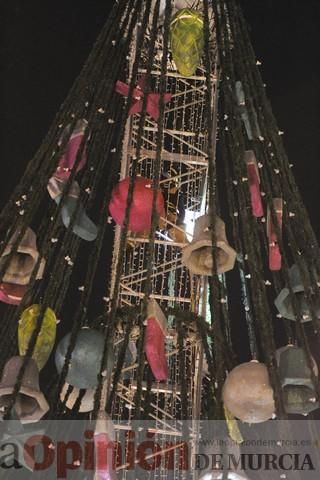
(22, 263)
(141, 206)
(86, 358)
(247, 393)
(283, 302)
(187, 40)
(296, 380)
(30, 405)
(197, 256)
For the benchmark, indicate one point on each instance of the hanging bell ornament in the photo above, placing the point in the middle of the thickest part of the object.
(86, 358)
(23, 261)
(30, 405)
(197, 256)
(141, 206)
(296, 380)
(87, 401)
(247, 393)
(46, 336)
(187, 40)
(284, 305)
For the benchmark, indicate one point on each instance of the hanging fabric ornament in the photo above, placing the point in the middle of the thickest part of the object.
(104, 442)
(153, 99)
(197, 256)
(295, 375)
(46, 337)
(274, 251)
(86, 358)
(283, 302)
(187, 40)
(69, 157)
(155, 340)
(247, 393)
(30, 405)
(241, 100)
(12, 294)
(83, 226)
(141, 206)
(254, 183)
(22, 263)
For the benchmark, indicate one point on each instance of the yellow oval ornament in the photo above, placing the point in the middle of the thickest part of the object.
(46, 337)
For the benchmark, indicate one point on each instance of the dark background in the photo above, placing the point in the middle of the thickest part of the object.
(45, 43)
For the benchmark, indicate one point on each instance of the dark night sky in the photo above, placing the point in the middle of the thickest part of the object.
(45, 43)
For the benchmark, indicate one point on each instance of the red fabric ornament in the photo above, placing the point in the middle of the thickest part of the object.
(68, 159)
(104, 442)
(155, 341)
(274, 251)
(141, 207)
(254, 183)
(153, 99)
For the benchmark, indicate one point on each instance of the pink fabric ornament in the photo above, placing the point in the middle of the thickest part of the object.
(68, 159)
(141, 207)
(254, 183)
(155, 341)
(153, 99)
(104, 437)
(274, 251)
(12, 294)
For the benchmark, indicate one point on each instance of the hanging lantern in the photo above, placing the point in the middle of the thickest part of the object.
(296, 380)
(30, 405)
(283, 302)
(82, 226)
(22, 263)
(197, 256)
(141, 207)
(187, 40)
(247, 393)
(86, 358)
(69, 157)
(155, 340)
(11, 293)
(46, 337)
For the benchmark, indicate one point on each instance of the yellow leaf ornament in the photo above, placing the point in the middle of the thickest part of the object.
(187, 40)
(46, 337)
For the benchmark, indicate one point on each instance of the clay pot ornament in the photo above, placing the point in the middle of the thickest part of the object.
(141, 206)
(295, 375)
(20, 268)
(12, 294)
(247, 393)
(283, 302)
(30, 405)
(197, 256)
(86, 358)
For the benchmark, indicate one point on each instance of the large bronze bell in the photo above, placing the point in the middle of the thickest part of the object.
(30, 405)
(296, 380)
(247, 393)
(23, 261)
(197, 256)
(86, 358)
(283, 302)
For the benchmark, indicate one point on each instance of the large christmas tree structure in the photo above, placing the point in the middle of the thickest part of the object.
(157, 262)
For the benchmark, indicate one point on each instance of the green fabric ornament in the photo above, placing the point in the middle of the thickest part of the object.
(46, 338)
(187, 40)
